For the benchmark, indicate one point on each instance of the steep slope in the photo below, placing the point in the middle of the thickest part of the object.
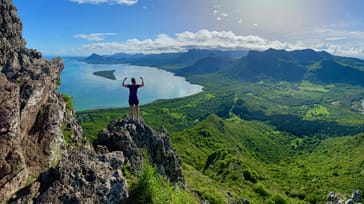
(298, 65)
(331, 71)
(33, 115)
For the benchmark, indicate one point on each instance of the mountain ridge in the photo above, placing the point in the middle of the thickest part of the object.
(270, 64)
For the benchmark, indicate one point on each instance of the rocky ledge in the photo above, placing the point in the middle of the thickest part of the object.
(89, 176)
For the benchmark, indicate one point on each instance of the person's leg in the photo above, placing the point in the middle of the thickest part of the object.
(131, 112)
(137, 112)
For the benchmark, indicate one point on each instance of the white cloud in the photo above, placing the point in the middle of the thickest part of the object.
(341, 50)
(121, 2)
(337, 41)
(203, 39)
(93, 36)
(224, 40)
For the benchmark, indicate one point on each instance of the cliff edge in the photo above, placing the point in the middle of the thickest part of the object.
(33, 114)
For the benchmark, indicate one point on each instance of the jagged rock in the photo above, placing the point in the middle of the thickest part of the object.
(81, 177)
(356, 195)
(32, 113)
(334, 198)
(118, 138)
(129, 136)
(11, 39)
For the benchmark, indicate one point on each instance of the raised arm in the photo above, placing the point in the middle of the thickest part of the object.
(123, 84)
(141, 85)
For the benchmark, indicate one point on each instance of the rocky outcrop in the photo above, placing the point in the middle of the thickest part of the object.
(83, 176)
(89, 176)
(32, 114)
(131, 136)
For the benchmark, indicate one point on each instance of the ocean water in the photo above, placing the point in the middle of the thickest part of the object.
(93, 92)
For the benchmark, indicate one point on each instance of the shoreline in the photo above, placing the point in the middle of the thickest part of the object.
(150, 103)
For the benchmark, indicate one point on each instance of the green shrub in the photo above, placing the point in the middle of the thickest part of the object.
(58, 82)
(301, 194)
(150, 187)
(250, 175)
(261, 190)
(313, 198)
(277, 199)
(69, 104)
(67, 134)
(211, 197)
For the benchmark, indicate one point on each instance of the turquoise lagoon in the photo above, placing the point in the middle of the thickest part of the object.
(89, 91)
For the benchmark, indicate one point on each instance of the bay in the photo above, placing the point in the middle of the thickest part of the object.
(89, 91)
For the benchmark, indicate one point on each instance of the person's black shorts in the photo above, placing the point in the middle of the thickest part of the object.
(133, 102)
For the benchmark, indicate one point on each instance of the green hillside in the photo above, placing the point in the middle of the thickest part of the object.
(267, 140)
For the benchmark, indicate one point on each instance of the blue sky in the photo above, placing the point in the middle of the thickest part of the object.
(82, 27)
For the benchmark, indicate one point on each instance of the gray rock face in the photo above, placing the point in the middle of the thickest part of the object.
(32, 113)
(81, 177)
(129, 136)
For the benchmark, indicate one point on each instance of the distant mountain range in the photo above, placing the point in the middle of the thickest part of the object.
(180, 58)
(242, 65)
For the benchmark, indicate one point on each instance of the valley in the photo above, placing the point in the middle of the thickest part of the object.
(288, 137)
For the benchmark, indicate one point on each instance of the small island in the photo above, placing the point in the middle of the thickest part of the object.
(109, 74)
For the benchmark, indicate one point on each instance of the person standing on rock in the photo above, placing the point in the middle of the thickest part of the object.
(133, 95)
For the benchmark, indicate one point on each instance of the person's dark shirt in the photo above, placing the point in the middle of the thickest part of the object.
(133, 89)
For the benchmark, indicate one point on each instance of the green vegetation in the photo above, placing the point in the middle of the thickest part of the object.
(150, 187)
(58, 82)
(67, 134)
(250, 143)
(274, 139)
(69, 105)
(109, 74)
(66, 131)
(318, 112)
